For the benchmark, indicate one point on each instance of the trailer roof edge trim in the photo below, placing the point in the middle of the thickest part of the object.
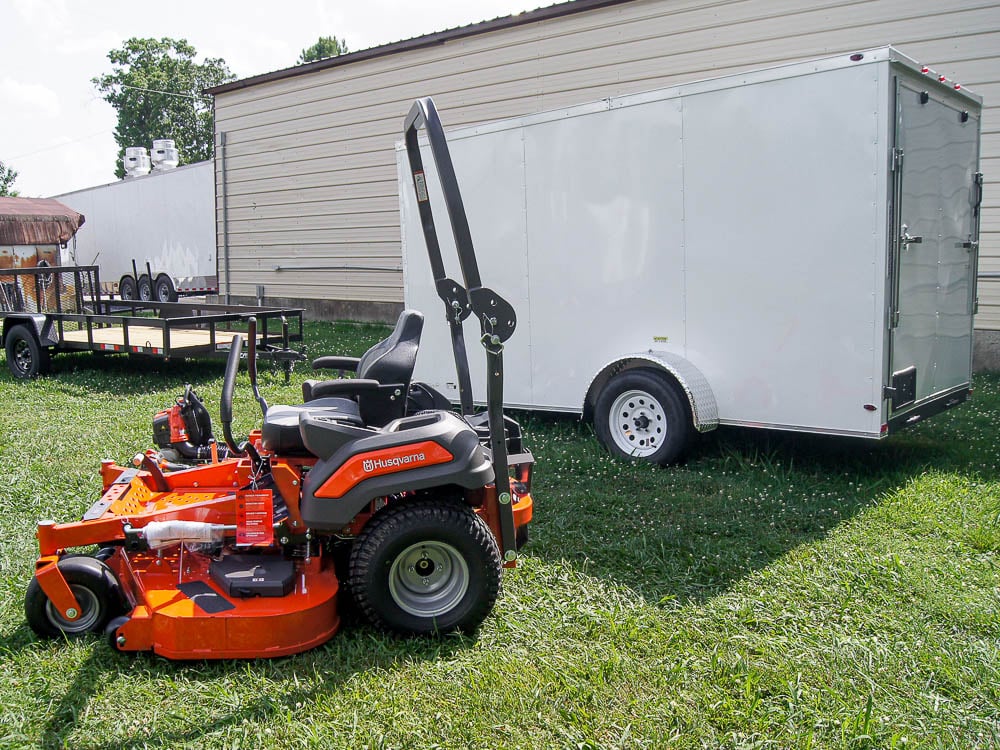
(705, 85)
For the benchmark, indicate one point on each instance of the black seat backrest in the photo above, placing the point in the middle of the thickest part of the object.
(392, 360)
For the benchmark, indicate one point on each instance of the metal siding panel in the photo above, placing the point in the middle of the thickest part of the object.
(286, 158)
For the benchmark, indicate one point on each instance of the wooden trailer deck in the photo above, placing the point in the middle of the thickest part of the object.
(149, 339)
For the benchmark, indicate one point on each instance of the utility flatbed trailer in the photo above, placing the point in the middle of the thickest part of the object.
(60, 309)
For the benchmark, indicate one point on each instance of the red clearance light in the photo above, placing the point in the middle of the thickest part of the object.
(856, 57)
(871, 407)
(884, 430)
(925, 69)
(942, 79)
(958, 86)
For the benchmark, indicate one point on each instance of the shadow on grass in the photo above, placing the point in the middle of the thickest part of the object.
(317, 672)
(740, 500)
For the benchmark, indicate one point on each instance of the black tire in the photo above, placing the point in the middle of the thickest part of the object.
(145, 288)
(26, 357)
(111, 632)
(426, 567)
(640, 414)
(96, 590)
(163, 289)
(127, 288)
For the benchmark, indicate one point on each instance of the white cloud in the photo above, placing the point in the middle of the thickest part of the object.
(28, 99)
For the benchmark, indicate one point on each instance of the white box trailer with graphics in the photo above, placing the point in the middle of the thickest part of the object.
(153, 237)
(791, 248)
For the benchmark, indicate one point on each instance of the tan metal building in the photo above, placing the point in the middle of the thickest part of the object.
(305, 166)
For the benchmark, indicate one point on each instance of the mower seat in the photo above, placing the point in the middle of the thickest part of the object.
(382, 376)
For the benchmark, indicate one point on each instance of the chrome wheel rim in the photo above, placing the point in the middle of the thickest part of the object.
(638, 423)
(428, 579)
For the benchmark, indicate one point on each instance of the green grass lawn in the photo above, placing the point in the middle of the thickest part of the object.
(776, 590)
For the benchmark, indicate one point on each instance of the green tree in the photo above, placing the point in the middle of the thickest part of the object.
(7, 177)
(156, 87)
(327, 46)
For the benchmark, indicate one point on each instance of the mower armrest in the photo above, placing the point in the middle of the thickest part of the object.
(346, 364)
(345, 388)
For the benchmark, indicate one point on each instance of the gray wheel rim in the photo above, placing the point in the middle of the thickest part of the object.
(638, 423)
(162, 293)
(428, 579)
(22, 355)
(90, 612)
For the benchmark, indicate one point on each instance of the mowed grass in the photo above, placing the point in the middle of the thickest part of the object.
(775, 590)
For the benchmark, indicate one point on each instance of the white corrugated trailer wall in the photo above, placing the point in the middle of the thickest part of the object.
(309, 161)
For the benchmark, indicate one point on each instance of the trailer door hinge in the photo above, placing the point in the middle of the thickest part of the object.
(975, 306)
(897, 159)
(893, 318)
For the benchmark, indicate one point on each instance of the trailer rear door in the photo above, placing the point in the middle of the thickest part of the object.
(933, 271)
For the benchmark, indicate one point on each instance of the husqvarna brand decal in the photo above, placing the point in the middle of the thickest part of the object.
(369, 465)
(376, 463)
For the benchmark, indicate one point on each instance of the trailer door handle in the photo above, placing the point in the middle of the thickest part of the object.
(907, 239)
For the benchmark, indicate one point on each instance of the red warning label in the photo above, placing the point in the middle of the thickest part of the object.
(254, 517)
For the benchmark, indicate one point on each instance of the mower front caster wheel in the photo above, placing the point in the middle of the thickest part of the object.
(96, 590)
(426, 567)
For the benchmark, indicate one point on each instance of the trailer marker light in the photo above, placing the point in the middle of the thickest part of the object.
(942, 78)
(958, 86)
(884, 430)
(857, 56)
(925, 69)
(871, 407)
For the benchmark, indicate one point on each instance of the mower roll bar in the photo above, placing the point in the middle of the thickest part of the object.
(497, 319)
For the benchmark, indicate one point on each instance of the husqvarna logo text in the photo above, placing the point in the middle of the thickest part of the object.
(373, 464)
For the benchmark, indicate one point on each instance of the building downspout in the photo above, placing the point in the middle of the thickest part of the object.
(225, 215)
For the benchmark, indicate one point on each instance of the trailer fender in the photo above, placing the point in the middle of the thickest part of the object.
(704, 410)
(39, 324)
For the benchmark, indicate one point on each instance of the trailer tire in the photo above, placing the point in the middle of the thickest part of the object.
(426, 567)
(640, 414)
(164, 289)
(127, 288)
(26, 357)
(145, 288)
(96, 590)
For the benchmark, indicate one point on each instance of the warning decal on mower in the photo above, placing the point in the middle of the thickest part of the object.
(254, 517)
(375, 463)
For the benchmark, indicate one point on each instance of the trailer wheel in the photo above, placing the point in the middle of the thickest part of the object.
(164, 289)
(639, 414)
(127, 288)
(96, 590)
(426, 567)
(26, 357)
(145, 287)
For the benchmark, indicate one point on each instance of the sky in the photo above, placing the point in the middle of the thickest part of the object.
(57, 132)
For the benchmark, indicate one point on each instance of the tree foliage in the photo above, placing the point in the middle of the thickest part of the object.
(7, 177)
(156, 87)
(326, 46)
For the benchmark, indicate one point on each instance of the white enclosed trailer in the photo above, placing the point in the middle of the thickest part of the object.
(792, 248)
(153, 237)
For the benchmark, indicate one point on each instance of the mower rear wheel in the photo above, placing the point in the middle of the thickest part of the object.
(425, 567)
(96, 590)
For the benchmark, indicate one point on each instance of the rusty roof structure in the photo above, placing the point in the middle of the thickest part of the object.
(37, 221)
